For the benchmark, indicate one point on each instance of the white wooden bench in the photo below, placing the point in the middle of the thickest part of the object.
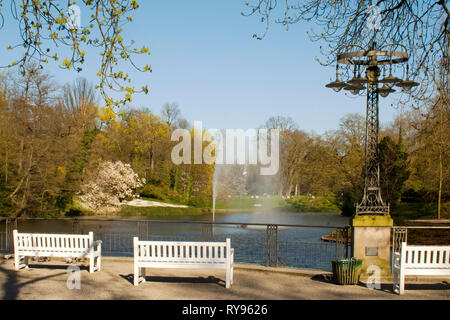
(170, 254)
(56, 245)
(419, 261)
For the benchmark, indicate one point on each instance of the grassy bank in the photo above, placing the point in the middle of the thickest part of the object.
(309, 203)
(267, 204)
(159, 212)
(249, 203)
(275, 203)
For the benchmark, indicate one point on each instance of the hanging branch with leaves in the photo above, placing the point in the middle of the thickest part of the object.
(46, 27)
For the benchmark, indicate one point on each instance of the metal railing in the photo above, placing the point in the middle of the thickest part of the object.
(3, 246)
(265, 244)
(436, 235)
(6, 240)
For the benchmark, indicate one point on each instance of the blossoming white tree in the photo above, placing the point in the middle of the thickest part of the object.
(114, 182)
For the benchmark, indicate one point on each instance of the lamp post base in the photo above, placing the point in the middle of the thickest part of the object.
(371, 242)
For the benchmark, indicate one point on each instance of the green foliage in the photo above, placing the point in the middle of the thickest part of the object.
(393, 169)
(155, 192)
(198, 202)
(86, 144)
(62, 202)
(348, 203)
(73, 212)
(6, 208)
(410, 211)
(310, 203)
(163, 193)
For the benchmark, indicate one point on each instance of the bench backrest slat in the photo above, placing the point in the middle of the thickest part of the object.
(425, 256)
(181, 251)
(47, 241)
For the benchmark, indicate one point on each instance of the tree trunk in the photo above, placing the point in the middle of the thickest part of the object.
(20, 160)
(288, 195)
(175, 184)
(440, 183)
(6, 166)
(441, 145)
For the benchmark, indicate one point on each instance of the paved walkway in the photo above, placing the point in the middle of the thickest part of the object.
(48, 280)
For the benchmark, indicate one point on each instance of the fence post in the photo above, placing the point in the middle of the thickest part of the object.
(347, 245)
(11, 224)
(142, 229)
(272, 245)
(207, 232)
(399, 235)
(74, 226)
(337, 242)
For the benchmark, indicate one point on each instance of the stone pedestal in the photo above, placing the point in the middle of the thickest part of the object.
(371, 241)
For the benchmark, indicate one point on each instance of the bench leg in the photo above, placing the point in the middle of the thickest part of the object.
(139, 275)
(136, 275)
(402, 284)
(16, 262)
(228, 278)
(231, 275)
(91, 264)
(99, 263)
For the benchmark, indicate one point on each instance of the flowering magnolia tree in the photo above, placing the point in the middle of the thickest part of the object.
(114, 182)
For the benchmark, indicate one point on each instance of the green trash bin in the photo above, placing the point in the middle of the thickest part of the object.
(346, 271)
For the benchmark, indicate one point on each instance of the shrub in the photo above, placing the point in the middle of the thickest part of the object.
(197, 202)
(154, 192)
(113, 183)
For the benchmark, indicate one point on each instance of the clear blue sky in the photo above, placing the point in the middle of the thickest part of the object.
(204, 58)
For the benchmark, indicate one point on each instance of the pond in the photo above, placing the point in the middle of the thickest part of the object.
(290, 245)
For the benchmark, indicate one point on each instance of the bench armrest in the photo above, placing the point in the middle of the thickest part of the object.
(98, 245)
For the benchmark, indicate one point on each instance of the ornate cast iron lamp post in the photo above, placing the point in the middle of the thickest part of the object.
(359, 59)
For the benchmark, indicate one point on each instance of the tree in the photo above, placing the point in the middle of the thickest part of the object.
(231, 180)
(348, 144)
(40, 144)
(46, 27)
(393, 169)
(79, 98)
(281, 123)
(114, 182)
(139, 138)
(286, 172)
(430, 153)
(295, 148)
(170, 113)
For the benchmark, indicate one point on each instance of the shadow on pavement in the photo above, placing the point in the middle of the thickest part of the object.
(56, 266)
(325, 278)
(11, 287)
(210, 279)
(444, 285)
